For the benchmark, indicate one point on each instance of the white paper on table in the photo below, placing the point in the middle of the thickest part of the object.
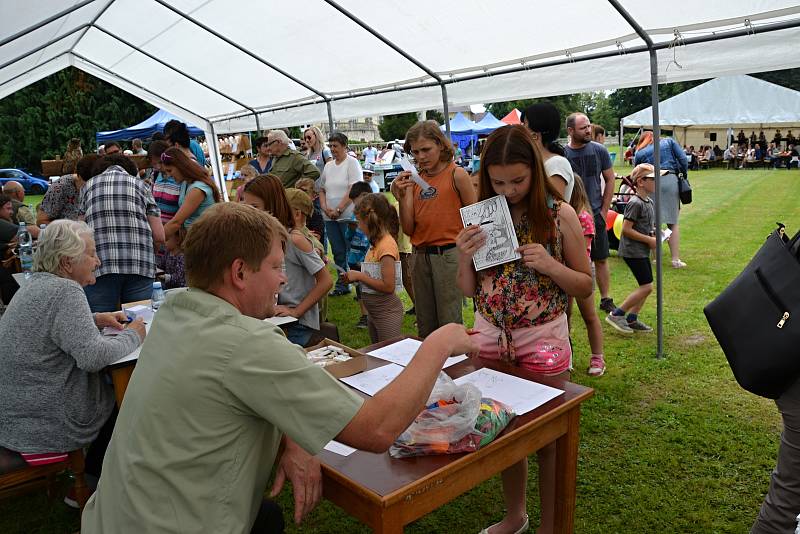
(374, 380)
(519, 394)
(494, 218)
(665, 233)
(277, 321)
(408, 166)
(403, 351)
(373, 270)
(339, 448)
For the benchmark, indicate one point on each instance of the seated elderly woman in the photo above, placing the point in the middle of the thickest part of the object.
(53, 397)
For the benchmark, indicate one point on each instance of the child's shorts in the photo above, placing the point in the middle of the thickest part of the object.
(642, 270)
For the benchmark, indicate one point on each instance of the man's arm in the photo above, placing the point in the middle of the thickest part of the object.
(608, 193)
(386, 415)
(304, 472)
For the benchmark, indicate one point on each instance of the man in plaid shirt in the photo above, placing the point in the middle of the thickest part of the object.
(120, 208)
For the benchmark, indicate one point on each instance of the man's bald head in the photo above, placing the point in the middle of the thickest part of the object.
(14, 190)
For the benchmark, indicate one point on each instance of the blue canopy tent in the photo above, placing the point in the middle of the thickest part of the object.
(145, 129)
(488, 124)
(462, 131)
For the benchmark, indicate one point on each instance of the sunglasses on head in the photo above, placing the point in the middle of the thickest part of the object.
(165, 158)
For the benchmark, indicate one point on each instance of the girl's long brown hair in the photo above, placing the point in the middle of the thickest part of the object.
(190, 170)
(508, 145)
(379, 216)
(269, 189)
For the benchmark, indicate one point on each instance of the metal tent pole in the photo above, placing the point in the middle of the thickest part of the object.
(330, 117)
(214, 155)
(403, 53)
(657, 166)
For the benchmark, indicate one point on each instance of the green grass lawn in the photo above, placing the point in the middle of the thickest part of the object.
(672, 445)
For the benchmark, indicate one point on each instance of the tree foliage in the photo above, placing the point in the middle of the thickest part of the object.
(396, 126)
(37, 121)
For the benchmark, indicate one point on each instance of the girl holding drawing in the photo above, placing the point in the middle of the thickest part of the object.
(521, 304)
(379, 221)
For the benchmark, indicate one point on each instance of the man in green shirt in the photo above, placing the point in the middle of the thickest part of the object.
(219, 396)
(287, 164)
(21, 211)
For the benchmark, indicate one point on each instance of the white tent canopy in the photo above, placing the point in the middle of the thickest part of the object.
(730, 101)
(212, 62)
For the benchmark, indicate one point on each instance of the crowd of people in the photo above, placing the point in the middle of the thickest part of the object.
(237, 396)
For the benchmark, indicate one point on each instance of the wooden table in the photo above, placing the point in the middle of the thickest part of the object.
(387, 493)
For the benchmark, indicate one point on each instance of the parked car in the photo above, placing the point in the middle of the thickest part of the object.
(31, 184)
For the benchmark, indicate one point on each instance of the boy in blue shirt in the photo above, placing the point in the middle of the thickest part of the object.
(359, 245)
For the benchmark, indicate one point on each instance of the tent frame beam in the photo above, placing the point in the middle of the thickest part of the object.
(174, 69)
(47, 21)
(242, 49)
(519, 68)
(42, 46)
(385, 40)
(657, 168)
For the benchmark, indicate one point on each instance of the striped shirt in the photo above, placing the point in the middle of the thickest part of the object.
(116, 206)
(166, 192)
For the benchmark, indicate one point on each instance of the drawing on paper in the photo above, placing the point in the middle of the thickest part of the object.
(494, 217)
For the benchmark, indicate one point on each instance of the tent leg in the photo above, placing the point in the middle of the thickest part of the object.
(657, 166)
(214, 155)
(258, 124)
(330, 117)
(446, 110)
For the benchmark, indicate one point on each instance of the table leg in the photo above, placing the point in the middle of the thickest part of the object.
(567, 469)
(120, 378)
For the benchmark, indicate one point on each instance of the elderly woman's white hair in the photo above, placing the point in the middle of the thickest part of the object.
(278, 135)
(60, 239)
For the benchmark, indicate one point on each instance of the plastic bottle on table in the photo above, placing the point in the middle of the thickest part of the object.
(25, 249)
(157, 298)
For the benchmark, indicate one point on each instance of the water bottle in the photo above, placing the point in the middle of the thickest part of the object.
(157, 298)
(25, 249)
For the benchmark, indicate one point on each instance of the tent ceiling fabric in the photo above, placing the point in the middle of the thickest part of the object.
(160, 49)
(727, 101)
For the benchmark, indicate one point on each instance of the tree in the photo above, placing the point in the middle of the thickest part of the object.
(396, 126)
(434, 115)
(37, 121)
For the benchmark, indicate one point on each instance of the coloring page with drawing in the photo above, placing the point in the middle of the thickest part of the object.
(373, 270)
(494, 218)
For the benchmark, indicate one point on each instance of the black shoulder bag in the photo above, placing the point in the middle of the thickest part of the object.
(684, 187)
(756, 319)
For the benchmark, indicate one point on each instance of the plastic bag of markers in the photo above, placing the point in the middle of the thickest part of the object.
(455, 419)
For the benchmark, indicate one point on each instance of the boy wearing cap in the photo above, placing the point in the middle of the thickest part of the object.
(638, 239)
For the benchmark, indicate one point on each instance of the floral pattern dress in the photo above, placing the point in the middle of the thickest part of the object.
(512, 296)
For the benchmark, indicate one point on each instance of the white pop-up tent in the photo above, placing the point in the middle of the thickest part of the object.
(228, 67)
(702, 115)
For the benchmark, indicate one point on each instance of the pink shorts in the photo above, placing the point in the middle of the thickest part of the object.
(543, 349)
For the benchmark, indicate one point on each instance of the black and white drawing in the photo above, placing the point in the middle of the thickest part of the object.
(494, 218)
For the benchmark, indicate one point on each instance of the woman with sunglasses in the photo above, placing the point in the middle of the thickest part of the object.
(197, 191)
(316, 151)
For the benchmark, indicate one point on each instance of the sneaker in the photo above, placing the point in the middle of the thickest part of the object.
(339, 291)
(71, 499)
(597, 367)
(607, 305)
(620, 323)
(678, 264)
(639, 326)
(412, 311)
(362, 323)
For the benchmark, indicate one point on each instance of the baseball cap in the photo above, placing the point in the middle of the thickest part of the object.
(645, 170)
(299, 200)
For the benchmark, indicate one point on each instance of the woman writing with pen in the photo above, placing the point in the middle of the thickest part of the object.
(430, 217)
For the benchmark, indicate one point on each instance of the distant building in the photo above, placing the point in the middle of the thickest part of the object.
(360, 129)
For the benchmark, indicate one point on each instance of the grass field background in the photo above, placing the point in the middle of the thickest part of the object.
(667, 446)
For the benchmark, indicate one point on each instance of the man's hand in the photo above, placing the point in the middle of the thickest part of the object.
(286, 311)
(303, 471)
(112, 319)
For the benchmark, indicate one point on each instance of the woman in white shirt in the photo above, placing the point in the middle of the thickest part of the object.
(544, 122)
(337, 208)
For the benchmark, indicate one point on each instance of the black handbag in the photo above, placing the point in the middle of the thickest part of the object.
(756, 319)
(684, 189)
